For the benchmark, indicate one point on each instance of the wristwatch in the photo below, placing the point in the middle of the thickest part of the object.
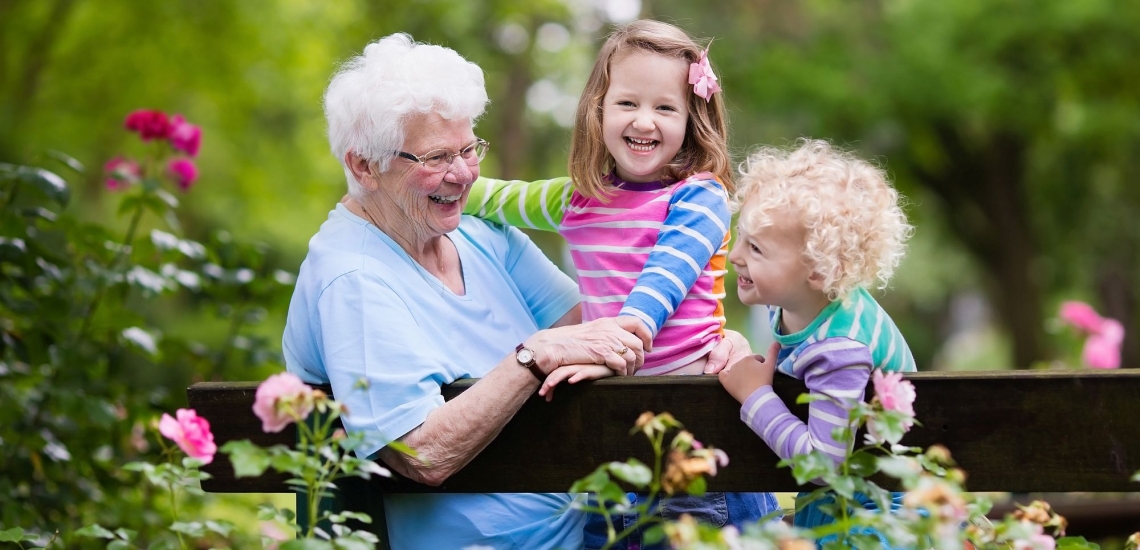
(525, 357)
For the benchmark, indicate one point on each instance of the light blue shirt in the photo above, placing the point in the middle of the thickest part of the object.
(362, 309)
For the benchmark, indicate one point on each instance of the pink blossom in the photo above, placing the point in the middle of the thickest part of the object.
(1081, 316)
(273, 531)
(191, 432)
(150, 124)
(1102, 348)
(121, 173)
(281, 399)
(894, 393)
(184, 136)
(184, 173)
(1039, 541)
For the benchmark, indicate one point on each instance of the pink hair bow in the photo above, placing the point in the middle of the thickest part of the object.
(702, 78)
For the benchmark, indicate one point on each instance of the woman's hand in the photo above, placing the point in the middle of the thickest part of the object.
(744, 377)
(618, 343)
(732, 348)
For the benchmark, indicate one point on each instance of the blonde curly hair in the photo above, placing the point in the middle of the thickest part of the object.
(855, 230)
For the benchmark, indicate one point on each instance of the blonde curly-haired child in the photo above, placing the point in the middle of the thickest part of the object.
(817, 226)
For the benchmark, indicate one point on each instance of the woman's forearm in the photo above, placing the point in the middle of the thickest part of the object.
(460, 429)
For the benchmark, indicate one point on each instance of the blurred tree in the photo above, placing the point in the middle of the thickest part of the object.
(1019, 121)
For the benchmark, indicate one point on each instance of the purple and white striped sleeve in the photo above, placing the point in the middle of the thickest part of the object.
(836, 367)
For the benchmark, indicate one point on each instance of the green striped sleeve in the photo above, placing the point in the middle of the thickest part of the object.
(533, 204)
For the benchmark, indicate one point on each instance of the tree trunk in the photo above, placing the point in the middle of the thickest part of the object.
(983, 190)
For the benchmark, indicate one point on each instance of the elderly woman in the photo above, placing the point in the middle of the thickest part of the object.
(401, 290)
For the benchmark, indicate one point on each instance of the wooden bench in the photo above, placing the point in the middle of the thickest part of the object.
(1018, 431)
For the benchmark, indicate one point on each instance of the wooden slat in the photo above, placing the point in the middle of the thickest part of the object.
(1022, 431)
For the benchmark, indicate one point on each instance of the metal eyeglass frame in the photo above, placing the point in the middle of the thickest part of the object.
(439, 160)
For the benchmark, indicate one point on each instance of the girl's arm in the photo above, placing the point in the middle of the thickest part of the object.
(836, 367)
(533, 204)
(694, 230)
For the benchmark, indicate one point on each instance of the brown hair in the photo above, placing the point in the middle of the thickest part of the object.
(705, 148)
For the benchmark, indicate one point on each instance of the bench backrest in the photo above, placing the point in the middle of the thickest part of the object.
(1020, 431)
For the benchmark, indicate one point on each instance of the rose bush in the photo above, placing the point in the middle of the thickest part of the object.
(102, 326)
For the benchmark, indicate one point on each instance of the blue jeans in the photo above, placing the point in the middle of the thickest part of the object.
(809, 515)
(718, 509)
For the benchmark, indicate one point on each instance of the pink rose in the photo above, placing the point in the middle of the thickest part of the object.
(184, 136)
(1102, 349)
(121, 173)
(281, 399)
(894, 393)
(1080, 315)
(150, 124)
(1039, 541)
(191, 432)
(183, 172)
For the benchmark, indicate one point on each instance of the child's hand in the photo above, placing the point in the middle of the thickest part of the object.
(732, 348)
(746, 376)
(572, 374)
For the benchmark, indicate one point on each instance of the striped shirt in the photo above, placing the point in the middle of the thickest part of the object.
(655, 251)
(834, 356)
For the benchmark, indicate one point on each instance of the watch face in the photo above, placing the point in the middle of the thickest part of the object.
(525, 356)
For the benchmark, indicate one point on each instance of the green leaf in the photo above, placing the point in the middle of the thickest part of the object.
(697, 486)
(343, 516)
(863, 464)
(95, 531)
(248, 459)
(221, 527)
(811, 466)
(352, 544)
(118, 545)
(612, 492)
(843, 486)
(805, 398)
(193, 528)
(48, 183)
(67, 160)
(592, 483)
(1136, 476)
(633, 472)
(126, 534)
(400, 447)
(653, 535)
(14, 534)
(306, 544)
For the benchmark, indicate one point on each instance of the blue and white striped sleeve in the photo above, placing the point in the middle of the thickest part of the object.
(837, 367)
(693, 231)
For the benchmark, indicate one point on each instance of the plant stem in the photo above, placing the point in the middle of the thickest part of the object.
(174, 509)
(119, 255)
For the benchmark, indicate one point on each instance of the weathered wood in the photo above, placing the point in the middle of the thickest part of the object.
(1021, 431)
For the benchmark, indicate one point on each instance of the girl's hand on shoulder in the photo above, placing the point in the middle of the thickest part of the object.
(572, 374)
(749, 374)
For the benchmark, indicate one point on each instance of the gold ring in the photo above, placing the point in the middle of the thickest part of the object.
(623, 350)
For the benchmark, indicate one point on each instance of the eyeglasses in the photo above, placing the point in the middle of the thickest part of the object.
(440, 160)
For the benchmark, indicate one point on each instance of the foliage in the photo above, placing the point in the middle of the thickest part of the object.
(324, 454)
(82, 366)
(687, 463)
(933, 512)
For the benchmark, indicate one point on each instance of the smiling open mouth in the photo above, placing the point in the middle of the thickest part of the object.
(441, 199)
(641, 145)
(743, 280)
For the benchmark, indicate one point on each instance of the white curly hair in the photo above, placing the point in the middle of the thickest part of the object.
(370, 96)
(855, 230)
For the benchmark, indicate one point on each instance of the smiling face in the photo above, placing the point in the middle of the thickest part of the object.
(427, 203)
(770, 265)
(645, 113)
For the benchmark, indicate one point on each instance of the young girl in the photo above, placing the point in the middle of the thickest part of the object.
(817, 226)
(645, 212)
